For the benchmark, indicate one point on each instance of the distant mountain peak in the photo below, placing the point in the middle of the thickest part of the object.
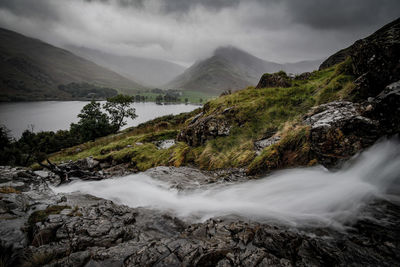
(231, 52)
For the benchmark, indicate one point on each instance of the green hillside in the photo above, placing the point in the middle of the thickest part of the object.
(256, 113)
(33, 70)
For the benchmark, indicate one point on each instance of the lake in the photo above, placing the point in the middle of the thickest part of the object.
(58, 115)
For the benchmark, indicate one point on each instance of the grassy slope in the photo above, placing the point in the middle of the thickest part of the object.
(192, 96)
(259, 112)
(36, 68)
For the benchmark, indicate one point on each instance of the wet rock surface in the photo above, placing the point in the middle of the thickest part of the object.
(84, 169)
(338, 131)
(186, 178)
(82, 230)
(261, 144)
(165, 144)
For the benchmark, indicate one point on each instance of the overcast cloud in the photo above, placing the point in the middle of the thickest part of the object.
(186, 30)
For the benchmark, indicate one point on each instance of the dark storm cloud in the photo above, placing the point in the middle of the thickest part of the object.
(185, 30)
(342, 14)
(35, 9)
(177, 6)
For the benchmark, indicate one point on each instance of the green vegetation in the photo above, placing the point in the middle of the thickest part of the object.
(135, 145)
(292, 150)
(254, 114)
(172, 96)
(86, 90)
(93, 123)
(34, 70)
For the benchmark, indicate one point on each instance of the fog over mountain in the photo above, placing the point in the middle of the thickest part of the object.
(189, 30)
(150, 72)
(230, 68)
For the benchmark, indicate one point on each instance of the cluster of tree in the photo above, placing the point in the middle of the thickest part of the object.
(93, 123)
(141, 98)
(86, 90)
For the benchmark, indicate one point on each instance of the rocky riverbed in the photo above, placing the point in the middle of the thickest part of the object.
(41, 228)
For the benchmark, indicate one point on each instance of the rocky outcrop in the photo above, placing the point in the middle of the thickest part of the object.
(263, 143)
(279, 79)
(386, 109)
(206, 127)
(303, 76)
(85, 169)
(338, 131)
(336, 58)
(47, 229)
(375, 60)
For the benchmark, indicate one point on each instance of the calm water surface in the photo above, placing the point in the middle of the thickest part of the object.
(57, 115)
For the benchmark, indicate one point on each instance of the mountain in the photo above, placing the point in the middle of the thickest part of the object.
(151, 72)
(32, 70)
(232, 68)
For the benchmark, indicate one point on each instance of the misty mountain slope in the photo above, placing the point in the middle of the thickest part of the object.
(302, 66)
(32, 69)
(151, 72)
(232, 68)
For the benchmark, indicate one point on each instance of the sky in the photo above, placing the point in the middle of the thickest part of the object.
(184, 31)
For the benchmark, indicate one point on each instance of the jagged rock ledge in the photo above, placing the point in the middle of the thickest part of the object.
(43, 228)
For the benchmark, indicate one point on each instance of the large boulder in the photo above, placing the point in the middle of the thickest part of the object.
(206, 127)
(279, 79)
(338, 131)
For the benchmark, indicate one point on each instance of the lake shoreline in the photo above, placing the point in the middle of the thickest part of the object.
(58, 115)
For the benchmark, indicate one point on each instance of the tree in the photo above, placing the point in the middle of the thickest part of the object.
(119, 108)
(159, 99)
(8, 154)
(93, 123)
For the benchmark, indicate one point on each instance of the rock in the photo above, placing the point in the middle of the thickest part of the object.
(186, 178)
(303, 76)
(386, 109)
(375, 60)
(165, 144)
(89, 231)
(279, 79)
(203, 128)
(338, 131)
(261, 144)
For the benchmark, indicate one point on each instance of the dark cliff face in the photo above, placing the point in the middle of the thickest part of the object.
(375, 61)
(383, 35)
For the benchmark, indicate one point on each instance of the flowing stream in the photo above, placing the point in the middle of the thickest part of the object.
(298, 197)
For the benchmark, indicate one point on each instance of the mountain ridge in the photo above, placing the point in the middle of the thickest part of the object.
(33, 69)
(147, 71)
(237, 69)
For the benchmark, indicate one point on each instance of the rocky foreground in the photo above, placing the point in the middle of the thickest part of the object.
(41, 228)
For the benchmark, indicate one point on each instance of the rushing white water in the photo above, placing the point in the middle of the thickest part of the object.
(303, 196)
